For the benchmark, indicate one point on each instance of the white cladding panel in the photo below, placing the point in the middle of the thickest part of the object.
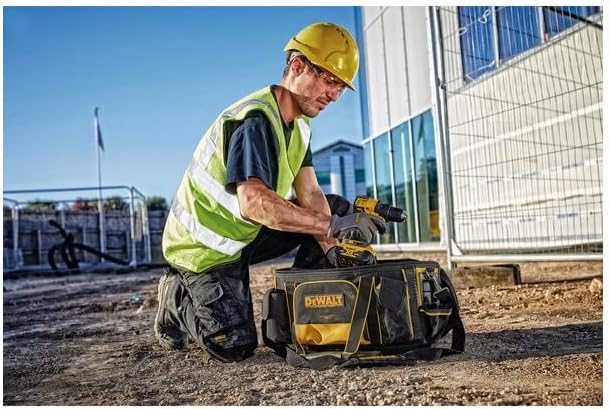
(369, 13)
(394, 40)
(418, 59)
(376, 79)
(397, 65)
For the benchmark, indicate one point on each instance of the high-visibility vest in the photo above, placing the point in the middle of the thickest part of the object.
(204, 227)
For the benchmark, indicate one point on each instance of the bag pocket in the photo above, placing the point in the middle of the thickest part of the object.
(275, 324)
(393, 310)
(323, 312)
(434, 302)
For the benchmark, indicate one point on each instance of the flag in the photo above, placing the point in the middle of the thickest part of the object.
(98, 132)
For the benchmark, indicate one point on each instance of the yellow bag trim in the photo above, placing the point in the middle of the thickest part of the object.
(408, 300)
(378, 318)
(436, 314)
(418, 272)
(301, 285)
(325, 334)
(420, 295)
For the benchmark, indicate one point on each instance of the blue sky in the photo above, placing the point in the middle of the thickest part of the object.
(160, 75)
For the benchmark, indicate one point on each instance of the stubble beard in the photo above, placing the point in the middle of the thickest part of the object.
(307, 106)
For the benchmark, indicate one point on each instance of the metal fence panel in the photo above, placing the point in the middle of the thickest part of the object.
(125, 230)
(522, 90)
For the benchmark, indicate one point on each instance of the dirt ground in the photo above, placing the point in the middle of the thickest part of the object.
(87, 340)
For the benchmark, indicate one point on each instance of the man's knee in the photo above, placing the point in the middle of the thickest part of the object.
(224, 320)
(232, 344)
(338, 204)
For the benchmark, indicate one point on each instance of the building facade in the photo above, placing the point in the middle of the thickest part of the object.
(340, 169)
(397, 109)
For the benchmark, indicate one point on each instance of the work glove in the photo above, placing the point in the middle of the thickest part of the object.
(351, 255)
(356, 226)
(332, 256)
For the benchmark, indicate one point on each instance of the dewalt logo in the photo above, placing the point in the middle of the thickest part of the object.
(324, 301)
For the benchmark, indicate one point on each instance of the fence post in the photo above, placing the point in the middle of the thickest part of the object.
(441, 126)
(132, 228)
(18, 260)
(38, 246)
(83, 232)
(146, 232)
(102, 228)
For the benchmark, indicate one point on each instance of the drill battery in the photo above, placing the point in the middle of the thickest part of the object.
(353, 253)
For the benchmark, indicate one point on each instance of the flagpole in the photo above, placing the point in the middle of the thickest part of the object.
(100, 206)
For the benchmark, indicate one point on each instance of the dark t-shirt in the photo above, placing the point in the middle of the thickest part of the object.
(253, 152)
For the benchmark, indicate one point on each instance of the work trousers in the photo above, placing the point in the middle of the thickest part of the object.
(214, 309)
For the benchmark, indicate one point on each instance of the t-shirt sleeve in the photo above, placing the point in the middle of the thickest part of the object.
(252, 152)
(307, 160)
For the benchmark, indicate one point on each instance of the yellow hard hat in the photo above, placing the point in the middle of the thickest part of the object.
(329, 46)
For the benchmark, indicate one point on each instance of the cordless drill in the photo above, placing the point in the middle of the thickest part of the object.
(354, 253)
(374, 207)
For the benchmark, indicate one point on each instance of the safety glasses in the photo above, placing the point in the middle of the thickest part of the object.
(331, 81)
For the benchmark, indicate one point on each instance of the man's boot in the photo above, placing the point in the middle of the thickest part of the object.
(167, 325)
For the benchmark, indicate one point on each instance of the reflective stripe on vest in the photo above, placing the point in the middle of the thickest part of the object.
(205, 181)
(204, 235)
(305, 131)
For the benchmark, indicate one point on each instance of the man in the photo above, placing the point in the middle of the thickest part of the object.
(230, 209)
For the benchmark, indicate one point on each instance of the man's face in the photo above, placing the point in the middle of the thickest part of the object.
(315, 89)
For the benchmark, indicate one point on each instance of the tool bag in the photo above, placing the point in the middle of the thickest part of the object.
(392, 312)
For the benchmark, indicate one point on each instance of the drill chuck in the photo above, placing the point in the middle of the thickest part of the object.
(390, 213)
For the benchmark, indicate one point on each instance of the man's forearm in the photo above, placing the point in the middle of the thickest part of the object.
(264, 206)
(316, 201)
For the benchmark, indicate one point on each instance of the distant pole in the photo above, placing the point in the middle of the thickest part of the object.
(99, 146)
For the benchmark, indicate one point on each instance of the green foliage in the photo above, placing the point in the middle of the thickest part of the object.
(156, 203)
(84, 204)
(115, 203)
(38, 204)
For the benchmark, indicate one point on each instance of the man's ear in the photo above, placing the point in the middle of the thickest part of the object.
(297, 66)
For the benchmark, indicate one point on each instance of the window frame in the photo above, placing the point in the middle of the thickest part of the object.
(545, 37)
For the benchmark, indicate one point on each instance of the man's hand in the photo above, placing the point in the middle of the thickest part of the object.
(356, 226)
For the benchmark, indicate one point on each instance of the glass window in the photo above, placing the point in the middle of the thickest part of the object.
(323, 177)
(383, 180)
(518, 30)
(368, 166)
(476, 41)
(426, 177)
(343, 176)
(403, 181)
(360, 176)
(555, 21)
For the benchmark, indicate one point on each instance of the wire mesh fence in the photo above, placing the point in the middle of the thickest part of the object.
(522, 89)
(31, 232)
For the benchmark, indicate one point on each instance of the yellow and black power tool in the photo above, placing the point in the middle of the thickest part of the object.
(354, 253)
(374, 207)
